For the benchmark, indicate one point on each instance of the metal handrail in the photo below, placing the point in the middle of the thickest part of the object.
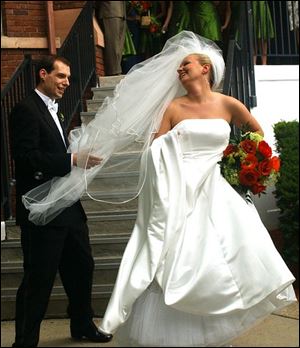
(18, 88)
(79, 49)
(239, 80)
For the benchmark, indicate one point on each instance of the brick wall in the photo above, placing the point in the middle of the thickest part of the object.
(29, 19)
(99, 61)
(24, 18)
(63, 5)
(12, 58)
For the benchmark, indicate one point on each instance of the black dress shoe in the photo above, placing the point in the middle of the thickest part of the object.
(89, 332)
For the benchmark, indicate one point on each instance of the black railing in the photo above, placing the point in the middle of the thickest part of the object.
(18, 88)
(79, 49)
(275, 31)
(239, 80)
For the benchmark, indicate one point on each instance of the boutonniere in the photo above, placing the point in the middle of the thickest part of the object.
(61, 117)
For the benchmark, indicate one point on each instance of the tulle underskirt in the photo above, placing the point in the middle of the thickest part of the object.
(154, 324)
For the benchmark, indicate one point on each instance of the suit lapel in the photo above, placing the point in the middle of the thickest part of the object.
(63, 129)
(48, 118)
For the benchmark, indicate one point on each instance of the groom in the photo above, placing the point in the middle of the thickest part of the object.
(39, 147)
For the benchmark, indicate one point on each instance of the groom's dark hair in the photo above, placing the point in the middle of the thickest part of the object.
(47, 63)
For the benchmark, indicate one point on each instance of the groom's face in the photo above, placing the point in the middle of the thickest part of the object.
(55, 83)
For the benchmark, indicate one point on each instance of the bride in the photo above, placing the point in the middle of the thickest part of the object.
(200, 267)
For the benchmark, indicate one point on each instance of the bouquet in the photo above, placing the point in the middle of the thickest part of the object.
(141, 7)
(248, 164)
(147, 21)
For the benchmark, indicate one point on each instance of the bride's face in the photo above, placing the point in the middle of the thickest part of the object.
(189, 69)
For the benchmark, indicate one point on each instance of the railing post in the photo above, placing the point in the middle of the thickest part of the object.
(5, 180)
(80, 83)
(250, 50)
(29, 78)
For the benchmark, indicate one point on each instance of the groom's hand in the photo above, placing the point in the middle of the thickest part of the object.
(84, 160)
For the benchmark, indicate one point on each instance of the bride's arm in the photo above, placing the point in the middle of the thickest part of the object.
(242, 117)
(166, 123)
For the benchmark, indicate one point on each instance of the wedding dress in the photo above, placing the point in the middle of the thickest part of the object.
(200, 267)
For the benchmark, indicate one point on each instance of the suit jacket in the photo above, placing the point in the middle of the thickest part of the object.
(39, 154)
(111, 9)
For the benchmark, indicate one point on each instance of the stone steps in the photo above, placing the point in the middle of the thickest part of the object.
(106, 268)
(58, 302)
(109, 244)
(90, 206)
(110, 227)
(100, 223)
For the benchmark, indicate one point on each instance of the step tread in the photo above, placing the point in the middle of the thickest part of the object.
(103, 88)
(105, 215)
(99, 261)
(59, 290)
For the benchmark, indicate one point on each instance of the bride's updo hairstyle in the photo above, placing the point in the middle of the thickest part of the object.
(204, 59)
(127, 120)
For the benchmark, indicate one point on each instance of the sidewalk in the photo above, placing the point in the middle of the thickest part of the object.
(278, 330)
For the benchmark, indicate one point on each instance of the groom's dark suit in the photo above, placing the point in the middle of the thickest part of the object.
(63, 244)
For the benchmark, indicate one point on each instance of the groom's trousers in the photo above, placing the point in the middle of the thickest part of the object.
(46, 250)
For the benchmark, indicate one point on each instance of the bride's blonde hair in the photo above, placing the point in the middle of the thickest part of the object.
(204, 59)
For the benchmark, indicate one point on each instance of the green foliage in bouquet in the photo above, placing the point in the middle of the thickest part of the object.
(287, 186)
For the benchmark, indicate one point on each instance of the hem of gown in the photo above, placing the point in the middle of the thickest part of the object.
(142, 328)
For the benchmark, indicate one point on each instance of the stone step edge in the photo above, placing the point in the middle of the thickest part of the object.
(99, 100)
(117, 174)
(113, 194)
(102, 216)
(94, 240)
(101, 262)
(98, 290)
(103, 88)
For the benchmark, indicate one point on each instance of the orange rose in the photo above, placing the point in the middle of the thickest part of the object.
(250, 162)
(248, 177)
(248, 146)
(264, 149)
(275, 163)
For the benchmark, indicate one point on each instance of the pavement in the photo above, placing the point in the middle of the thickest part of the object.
(280, 329)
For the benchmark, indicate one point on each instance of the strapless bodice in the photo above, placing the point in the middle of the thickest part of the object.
(203, 134)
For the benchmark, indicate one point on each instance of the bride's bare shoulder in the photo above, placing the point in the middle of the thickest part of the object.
(179, 100)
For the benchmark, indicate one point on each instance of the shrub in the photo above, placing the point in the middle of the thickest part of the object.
(287, 187)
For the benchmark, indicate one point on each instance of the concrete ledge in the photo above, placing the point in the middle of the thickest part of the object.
(26, 42)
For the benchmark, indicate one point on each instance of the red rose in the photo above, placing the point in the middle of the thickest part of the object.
(257, 188)
(275, 163)
(250, 162)
(265, 167)
(248, 177)
(229, 149)
(248, 146)
(153, 28)
(264, 149)
(146, 5)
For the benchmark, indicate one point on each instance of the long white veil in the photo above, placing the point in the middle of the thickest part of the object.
(127, 120)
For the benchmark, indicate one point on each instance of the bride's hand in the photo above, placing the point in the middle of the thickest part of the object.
(84, 160)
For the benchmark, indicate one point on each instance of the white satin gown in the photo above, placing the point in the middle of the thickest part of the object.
(200, 267)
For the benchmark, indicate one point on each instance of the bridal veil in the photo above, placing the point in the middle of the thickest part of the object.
(131, 117)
